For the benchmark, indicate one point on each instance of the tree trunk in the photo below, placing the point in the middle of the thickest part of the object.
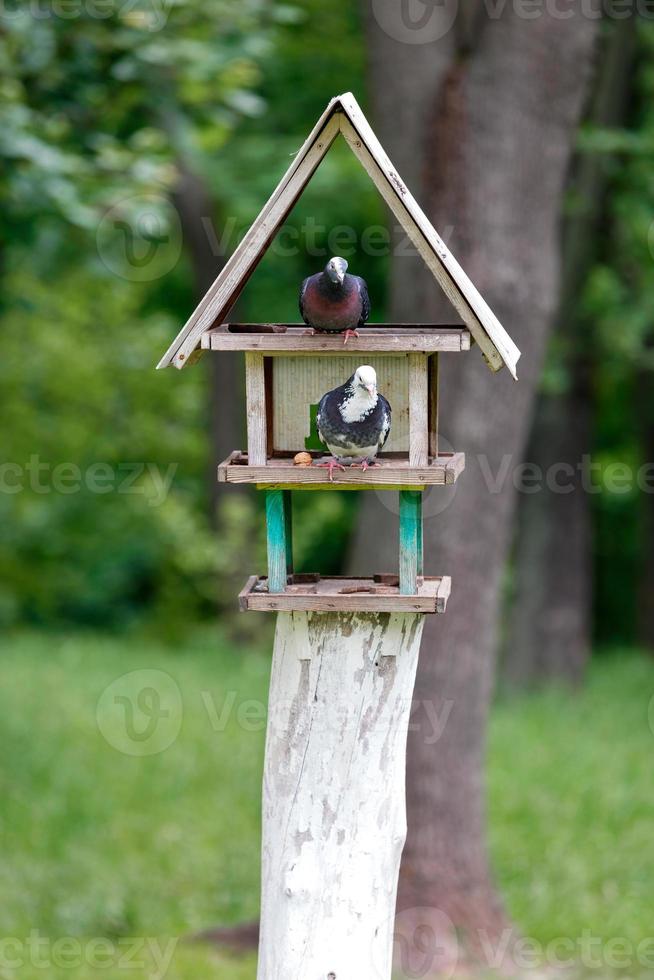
(550, 632)
(501, 102)
(334, 818)
(226, 402)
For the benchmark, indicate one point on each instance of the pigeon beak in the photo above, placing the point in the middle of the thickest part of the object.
(341, 276)
(370, 389)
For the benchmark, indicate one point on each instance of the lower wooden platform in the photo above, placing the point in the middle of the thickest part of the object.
(392, 471)
(312, 593)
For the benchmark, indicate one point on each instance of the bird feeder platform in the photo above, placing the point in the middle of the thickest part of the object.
(380, 338)
(284, 386)
(313, 593)
(392, 471)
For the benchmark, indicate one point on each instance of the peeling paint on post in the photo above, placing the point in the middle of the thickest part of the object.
(334, 820)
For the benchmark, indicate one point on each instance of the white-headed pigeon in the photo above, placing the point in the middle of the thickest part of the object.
(353, 421)
(334, 300)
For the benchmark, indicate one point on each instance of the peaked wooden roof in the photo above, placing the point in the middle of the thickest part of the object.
(343, 115)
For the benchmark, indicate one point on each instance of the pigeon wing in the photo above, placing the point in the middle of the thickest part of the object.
(303, 289)
(386, 427)
(365, 301)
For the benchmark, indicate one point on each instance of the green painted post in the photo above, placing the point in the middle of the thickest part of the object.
(410, 540)
(420, 569)
(288, 528)
(277, 509)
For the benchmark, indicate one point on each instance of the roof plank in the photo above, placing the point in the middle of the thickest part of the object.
(226, 288)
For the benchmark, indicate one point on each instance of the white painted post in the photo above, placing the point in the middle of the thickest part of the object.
(334, 819)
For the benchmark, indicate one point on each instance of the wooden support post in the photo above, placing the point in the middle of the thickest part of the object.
(433, 405)
(255, 386)
(288, 529)
(334, 820)
(420, 540)
(279, 538)
(418, 410)
(411, 562)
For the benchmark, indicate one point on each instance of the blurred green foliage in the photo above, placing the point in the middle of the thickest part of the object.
(617, 325)
(103, 110)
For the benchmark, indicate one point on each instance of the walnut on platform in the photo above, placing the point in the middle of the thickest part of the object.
(393, 472)
(312, 593)
(377, 338)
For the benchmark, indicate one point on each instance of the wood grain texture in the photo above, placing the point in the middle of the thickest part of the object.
(277, 537)
(418, 410)
(497, 345)
(288, 529)
(343, 114)
(387, 189)
(341, 594)
(420, 540)
(434, 382)
(379, 338)
(255, 393)
(391, 472)
(225, 290)
(410, 541)
(334, 816)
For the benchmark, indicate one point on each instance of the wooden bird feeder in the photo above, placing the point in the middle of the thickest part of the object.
(334, 789)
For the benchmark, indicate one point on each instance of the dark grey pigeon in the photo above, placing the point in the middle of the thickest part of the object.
(353, 421)
(334, 300)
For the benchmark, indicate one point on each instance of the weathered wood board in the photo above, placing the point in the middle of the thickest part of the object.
(379, 338)
(340, 594)
(255, 385)
(390, 472)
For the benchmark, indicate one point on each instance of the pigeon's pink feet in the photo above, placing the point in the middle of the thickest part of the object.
(332, 465)
(364, 464)
(350, 333)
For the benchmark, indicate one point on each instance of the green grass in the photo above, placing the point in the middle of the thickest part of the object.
(100, 843)
(571, 806)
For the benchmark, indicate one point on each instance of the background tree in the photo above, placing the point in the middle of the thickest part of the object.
(487, 127)
(550, 631)
(616, 306)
